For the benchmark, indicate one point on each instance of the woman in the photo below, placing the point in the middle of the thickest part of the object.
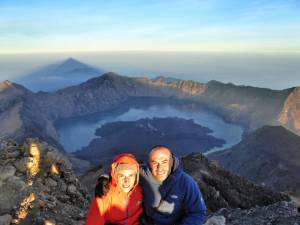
(122, 204)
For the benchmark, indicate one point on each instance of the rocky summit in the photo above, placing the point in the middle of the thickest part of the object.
(37, 186)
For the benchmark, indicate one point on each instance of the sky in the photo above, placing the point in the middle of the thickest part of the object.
(35, 26)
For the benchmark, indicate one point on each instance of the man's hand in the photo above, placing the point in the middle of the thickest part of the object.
(102, 186)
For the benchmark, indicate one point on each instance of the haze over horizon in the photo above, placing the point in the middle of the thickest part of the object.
(246, 42)
(275, 71)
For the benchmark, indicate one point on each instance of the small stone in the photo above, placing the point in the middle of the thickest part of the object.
(50, 182)
(63, 187)
(51, 205)
(49, 222)
(284, 204)
(15, 221)
(81, 222)
(216, 220)
(72, 189)
(64, 198)
(13, 154)
(40, 203)
(69, 177)
(5, 219)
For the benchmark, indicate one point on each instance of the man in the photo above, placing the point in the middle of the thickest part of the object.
(122, 203)
(170, 195)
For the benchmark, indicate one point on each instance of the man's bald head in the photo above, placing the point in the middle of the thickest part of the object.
(161, 162)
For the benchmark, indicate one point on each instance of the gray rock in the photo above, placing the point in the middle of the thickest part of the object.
(13, 154)
(72, 189)
(63, 187)
(58, 198)
(22, 164)
(216, 220)
(6, 172)
(49, 222)
(81, 222)
(5, 219)
(17, 183)
(50, 182)
(281, 213)
(64, 198)
(55, 156)
(11, 193)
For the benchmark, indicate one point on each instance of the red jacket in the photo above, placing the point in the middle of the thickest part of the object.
(117, 207)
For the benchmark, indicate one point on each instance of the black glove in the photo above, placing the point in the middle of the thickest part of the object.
(102, 186)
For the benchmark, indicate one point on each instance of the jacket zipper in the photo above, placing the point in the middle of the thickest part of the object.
(127, 211)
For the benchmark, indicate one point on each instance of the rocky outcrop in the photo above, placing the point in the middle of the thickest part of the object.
(4, 85)
(12, 98)
(20, 117)
(189, 87)
(269, 156)
(38, 186)
(281, 213)
(223, 189)
(290, 114)
(249, 106)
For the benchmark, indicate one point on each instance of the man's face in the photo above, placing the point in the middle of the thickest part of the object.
(126, 179)
(160, 162)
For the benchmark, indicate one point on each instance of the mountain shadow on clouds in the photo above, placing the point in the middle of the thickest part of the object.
(59, 75)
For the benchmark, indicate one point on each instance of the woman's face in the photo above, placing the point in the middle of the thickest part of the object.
(126, 179)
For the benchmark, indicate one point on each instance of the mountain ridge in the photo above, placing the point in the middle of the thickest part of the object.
(274, 153)
(248, 106)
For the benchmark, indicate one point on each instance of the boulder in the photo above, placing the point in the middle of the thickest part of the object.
(5, 219)
(6, 172)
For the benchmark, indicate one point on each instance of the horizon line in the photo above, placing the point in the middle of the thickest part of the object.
(152, 51)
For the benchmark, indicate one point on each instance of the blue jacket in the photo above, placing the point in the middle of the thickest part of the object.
(177, 200)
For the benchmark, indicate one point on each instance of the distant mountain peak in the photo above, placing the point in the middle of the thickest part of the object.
(5, 85)
(110, 75)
